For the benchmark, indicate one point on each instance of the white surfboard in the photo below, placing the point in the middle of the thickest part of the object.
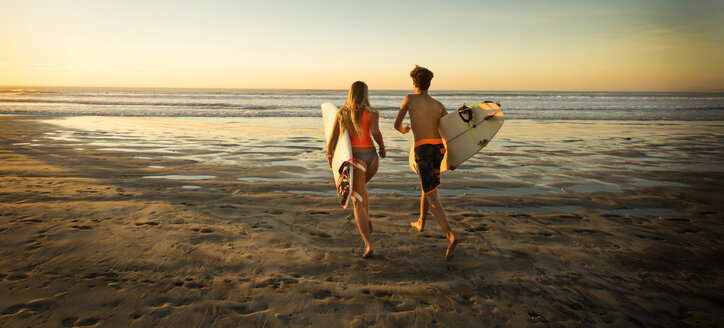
(464, 139)
(342, 162)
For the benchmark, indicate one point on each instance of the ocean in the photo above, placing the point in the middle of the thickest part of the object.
(158, 102)
(551, 142)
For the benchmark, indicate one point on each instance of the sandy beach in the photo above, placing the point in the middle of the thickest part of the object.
(140, 222)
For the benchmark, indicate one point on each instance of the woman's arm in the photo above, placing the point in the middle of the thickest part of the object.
(376, 134)
(333, 141)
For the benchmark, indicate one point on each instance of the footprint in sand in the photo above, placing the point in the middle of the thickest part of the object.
(243, 309)
(34, 306)
(474, 215)
(183, 302)
(611, 216)
(13, 309)
(382, 294)
(275, 282)
(397, 306)
(158, 302)
(677, 219)
(480, 227)
(146, 223)
(259, 225)
(69, 321)
(321, 294)
(651, 237)
(86, 322)
(570, 217)
(319, 213)
(320, 234)
(687, 230)
(16, 276)
(193, 285)
(33, 245)
(587, 231)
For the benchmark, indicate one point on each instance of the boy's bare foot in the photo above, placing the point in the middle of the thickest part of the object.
(451, 249)
(367, 253)
(419, 225)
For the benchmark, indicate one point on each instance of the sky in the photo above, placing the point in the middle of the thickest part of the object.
(652, 45)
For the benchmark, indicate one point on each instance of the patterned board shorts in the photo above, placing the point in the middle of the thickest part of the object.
(428, 157)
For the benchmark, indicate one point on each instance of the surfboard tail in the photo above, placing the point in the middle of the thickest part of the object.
(351, 162)
(344, 185)
(358, 197)
(345, 192)
(359, 166)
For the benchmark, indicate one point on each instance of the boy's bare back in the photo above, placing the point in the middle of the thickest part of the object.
(425, 113)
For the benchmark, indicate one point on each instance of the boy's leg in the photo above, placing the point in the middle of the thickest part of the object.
(441, 218)
(424, 208)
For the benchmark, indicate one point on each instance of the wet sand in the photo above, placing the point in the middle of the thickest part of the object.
(102, 231)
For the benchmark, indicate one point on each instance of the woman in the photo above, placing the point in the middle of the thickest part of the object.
(362, 123)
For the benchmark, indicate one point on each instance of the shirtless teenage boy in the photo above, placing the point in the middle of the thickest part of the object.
(425, 114)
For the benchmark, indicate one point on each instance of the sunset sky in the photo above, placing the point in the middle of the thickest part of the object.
(469, 45)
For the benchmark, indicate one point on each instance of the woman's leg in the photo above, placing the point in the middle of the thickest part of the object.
(371, 170)
(361, 211)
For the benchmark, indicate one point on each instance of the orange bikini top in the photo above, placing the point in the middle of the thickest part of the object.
(364, 138)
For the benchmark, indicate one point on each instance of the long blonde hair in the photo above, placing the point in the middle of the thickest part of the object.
(350, 115)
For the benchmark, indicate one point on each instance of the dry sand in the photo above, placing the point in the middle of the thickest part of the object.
(86, 241)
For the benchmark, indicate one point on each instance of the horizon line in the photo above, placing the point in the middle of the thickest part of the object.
(345, 89)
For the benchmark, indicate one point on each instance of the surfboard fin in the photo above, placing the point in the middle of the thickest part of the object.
(359, 166)
(358, 197)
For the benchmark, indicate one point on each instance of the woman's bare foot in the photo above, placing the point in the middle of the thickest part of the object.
(451, 249)
(368, 252)
(419, 225)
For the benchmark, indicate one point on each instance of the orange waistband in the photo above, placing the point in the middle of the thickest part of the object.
(428, 142)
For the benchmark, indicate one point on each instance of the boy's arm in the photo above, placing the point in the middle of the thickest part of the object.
(401, 116)
(443, 112)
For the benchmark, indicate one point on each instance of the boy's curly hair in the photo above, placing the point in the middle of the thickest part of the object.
(421, 76)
